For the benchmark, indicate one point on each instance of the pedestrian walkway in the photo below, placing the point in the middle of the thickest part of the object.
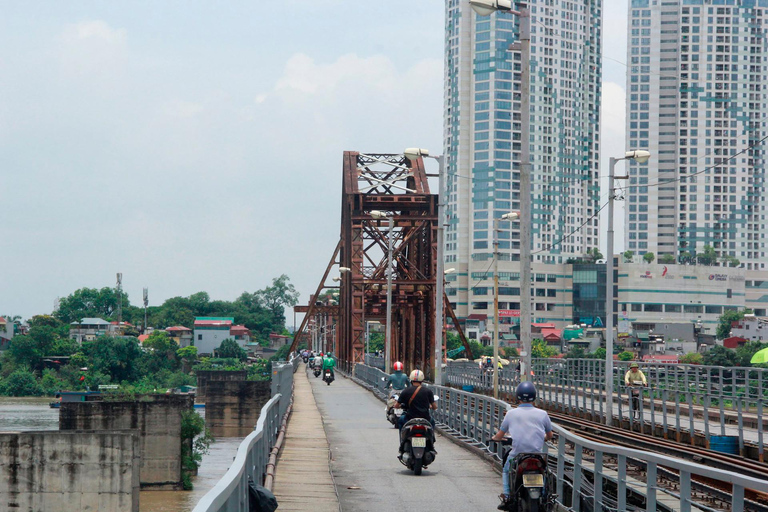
(369, 476)
(303, 478)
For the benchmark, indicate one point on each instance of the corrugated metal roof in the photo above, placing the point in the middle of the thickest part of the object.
(91, 321)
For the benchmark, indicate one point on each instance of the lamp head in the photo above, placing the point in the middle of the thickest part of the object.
(639, 155)
(414, 153)
(378, 214)
(511, 216)
(449, 271)
(488, 7)
(345, 269)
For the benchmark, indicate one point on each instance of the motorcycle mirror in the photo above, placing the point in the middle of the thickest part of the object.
(383, 379)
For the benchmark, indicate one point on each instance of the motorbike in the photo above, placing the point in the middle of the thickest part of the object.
(327, 376)
(316, 371)
(529, 481)
(636, 391)
(393, 415)
(312, 362)
(417, 445)
(305, 358)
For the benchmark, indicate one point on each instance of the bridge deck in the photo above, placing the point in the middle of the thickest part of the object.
(365, 466)
(303, 479)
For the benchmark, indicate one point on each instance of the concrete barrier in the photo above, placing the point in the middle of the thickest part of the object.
(232, 407)
(59, 471)
(157, 417)
(204, 377)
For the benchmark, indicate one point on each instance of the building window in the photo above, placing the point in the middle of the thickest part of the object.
(199, 337)
(653, 308)
(715, 310)
(637, 307)
(673, 308)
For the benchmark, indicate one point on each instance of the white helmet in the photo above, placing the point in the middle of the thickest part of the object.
(417, 376)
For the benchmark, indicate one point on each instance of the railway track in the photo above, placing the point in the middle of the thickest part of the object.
(721, 491)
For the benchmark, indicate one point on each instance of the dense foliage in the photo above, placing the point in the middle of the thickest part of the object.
(262, 311)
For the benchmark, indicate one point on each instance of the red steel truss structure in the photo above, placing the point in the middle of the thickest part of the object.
(398, 187)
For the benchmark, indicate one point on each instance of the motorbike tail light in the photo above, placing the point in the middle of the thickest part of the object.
(530, 464)
(418, 435)
(420, 428)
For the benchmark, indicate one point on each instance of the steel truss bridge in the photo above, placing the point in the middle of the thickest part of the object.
(397, 186)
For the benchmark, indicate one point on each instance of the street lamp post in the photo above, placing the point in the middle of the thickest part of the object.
(412, 154)
(376, 214)
(486, 8)
(641, 157)
(506, 216)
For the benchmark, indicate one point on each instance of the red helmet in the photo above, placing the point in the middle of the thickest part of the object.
(399, 366)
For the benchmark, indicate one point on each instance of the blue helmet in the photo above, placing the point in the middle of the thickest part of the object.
(526, 391)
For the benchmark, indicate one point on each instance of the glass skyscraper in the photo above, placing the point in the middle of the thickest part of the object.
(482, 141)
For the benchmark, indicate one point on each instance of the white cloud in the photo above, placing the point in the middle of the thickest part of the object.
(95, 30)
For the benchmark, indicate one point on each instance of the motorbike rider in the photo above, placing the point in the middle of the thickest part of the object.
(318, 361)
(416, 400)
(398, 379)
(329, 363)
(634, 374)
(529, 429)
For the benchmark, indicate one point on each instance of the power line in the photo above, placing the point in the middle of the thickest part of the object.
(576, 230)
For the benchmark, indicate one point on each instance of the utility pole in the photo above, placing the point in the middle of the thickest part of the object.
(146, 303)
(525, 192)
(119, 299)
(440, 271)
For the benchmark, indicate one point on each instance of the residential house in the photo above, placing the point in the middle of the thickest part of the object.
(183, 336)
(278, 340)
(6, 333)
(88, 329)
(751, 328)
(211, 331)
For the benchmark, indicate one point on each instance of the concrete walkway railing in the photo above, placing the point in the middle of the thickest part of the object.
(474, 418)
(230, 494)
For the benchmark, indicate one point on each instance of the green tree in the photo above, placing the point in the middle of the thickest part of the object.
(88, 303)
(22, 382)
(731, 261)
(278, 296)
(725, 321)
(593, 255)
(539, 348)
(195, 442)
(510, 352)
(692, 358)
(116, 359)
(230, 349)
(708, 256)
(160, 353)
(649, 257)
(598, 354)
(188, 356)
(626, 356)
(452, 340)
(628, 255)
(576, 353)
(720, 356)
(667, 259)
(745, 352)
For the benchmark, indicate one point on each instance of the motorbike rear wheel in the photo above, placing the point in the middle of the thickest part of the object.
(529, 506)
(417, 466)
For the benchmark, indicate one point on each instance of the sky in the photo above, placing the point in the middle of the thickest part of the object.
(198, 148)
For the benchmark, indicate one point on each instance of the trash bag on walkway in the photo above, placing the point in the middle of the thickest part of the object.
(260, 499)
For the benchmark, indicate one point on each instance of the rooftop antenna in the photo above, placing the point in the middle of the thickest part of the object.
(119, 298)
(146, 303)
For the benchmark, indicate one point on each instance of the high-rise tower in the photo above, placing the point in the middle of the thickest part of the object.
(482, 141)
(695, 100)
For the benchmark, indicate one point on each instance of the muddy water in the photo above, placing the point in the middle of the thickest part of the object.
(35, 414)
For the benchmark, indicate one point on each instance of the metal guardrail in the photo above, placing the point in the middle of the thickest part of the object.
(475, 419)
(230, 494)
(374, 361)
(577, 386)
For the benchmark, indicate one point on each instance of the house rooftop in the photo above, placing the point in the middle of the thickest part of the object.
(91, 321)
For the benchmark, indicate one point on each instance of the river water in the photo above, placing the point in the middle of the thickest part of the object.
(34, 414)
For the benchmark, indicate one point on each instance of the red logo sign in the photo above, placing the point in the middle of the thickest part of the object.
(506, 313)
